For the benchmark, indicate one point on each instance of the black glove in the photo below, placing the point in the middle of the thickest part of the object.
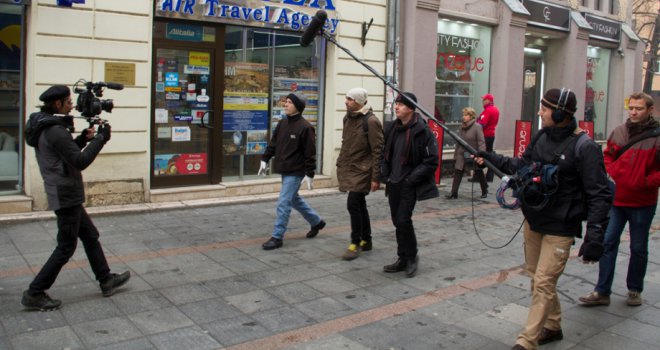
(591, 250)
(82, 140)
(104, 129)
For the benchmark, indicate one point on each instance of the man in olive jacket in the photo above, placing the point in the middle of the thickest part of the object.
(358, 166)
(408, 164)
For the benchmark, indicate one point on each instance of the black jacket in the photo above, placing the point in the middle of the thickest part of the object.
(583, 191)
(60, 158)
(423, 158)
(293, 145)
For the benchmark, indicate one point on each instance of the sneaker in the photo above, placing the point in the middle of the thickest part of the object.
(594, 299)
(548, 336)
(399, 265)
(110, 285)
(315, 229)
(272, 243)
(634, 298)
(40, 301)
(365, 246)
(351, 252)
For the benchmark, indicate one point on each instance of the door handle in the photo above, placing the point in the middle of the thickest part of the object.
(205, 125)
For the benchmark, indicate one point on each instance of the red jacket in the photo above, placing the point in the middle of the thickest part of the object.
(636, 172)
(488, 120)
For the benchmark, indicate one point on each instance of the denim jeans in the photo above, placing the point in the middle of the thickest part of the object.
(289, 199)
(639, 221)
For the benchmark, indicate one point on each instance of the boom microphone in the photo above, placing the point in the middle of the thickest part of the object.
(113, 86)
(318, 20)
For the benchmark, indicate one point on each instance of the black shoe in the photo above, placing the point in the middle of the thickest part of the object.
(366, 246)
(548, 336)
(452, 196)
(315, 229)
(272, 243)
(110, 285)
(411, 267)
(484, 194)
(398, 266)
(40, 301)
(518, 347)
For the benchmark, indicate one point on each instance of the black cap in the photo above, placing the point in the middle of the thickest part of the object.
(299, 100)
(406, 99)
(55, 92)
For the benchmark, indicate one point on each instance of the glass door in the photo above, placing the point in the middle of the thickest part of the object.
(532, 86)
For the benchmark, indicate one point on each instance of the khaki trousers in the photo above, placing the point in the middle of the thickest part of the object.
(545, 259)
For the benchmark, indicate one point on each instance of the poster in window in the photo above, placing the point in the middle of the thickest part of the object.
(180, 164)
(309, 88)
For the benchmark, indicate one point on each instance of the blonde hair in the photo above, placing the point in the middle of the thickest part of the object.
(470, 111)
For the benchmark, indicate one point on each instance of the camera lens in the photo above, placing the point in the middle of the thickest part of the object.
(107, 105)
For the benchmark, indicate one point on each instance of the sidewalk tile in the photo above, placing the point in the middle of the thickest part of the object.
(90, 310)
(236, 330)
(30, 321)
(161, 320)
(54, 338)
(282, 319)
(187, 293)
(187, 338)
(209, 310)
(254, 301)
(107, 331)
(136, 302)
(324, 309)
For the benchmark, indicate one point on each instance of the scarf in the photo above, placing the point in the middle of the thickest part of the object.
(398, 127)
(635, 129)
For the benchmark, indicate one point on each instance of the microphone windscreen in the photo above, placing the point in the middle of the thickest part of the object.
(318, 20)
(115, 86)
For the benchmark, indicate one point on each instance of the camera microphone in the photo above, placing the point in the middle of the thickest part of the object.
(113, 86)
(318, 20)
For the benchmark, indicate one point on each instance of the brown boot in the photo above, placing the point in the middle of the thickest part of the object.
(351, 253)
(594, 299)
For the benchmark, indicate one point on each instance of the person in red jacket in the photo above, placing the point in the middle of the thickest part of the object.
(636, 174)
(488, 120)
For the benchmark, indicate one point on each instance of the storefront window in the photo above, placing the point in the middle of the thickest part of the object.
(10, 97)
(595, 101)
(462, 70)
(261, 68)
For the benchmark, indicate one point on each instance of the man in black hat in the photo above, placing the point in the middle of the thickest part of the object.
(408, 163)
(293, 144)
(579, 192)
(61, 160)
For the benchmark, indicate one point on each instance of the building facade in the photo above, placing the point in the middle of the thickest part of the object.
(204, 84)
(516, 50)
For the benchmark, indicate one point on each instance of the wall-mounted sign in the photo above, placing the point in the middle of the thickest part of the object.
(285, 14)
(122, 73)
(603, 29)
(546, 15)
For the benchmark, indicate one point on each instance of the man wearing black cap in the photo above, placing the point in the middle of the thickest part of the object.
(408, 163)
(61, 160)
(580, 192)
(293, 145)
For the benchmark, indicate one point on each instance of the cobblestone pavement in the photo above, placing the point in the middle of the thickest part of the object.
(201, 281)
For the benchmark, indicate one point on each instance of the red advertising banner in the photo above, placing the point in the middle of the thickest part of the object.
(588, 127)
(439, 133)
(522, 137)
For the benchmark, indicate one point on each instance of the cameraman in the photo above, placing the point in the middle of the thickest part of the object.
(579, 192)
(61, 160)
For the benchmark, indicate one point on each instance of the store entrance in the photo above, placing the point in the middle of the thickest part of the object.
(532, 86)
(186, 98)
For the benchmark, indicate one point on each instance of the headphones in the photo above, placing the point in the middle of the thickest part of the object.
(560, 113)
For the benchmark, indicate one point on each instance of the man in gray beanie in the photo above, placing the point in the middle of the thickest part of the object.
(358, 169)
(293, 145)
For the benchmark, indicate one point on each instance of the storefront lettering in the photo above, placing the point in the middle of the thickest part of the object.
(294, 20)
(460, 62)
(522, 141)
(604, 29)
(458, 42)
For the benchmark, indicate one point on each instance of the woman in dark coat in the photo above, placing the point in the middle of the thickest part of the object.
(473, 134)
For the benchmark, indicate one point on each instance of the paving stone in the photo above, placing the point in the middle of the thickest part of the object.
(492, 327)
(133, 344)
(209, 310)
(131, 303)
(511, 312)
(186, 338)
(611, 341)
(394, 291)
(54, 338)
(236, 330)
(4, 343)
(107, 331)
(31, 321)
(637, 330)
(332, 342)
(230, 285)
(282, 319)
(479, 301)
(187, 293)
(293, 293)
(90, 310)
(254, 301)
(448, 312)
(361, 299)
(649, 316)
(331, 284)
(324, 309)
(162, 320)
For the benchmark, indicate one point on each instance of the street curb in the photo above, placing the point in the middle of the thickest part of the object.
(152, 207)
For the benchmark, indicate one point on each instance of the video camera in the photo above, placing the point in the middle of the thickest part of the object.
(89, 104)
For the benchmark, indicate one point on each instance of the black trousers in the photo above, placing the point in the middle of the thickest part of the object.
(360, 223)
(72, 223)
(402, 201)
(489, 148)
